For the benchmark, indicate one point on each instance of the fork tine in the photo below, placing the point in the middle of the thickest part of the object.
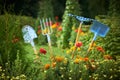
(50, 24)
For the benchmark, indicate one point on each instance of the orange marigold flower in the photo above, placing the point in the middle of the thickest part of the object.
(59, 59)
(99, 48)
(47, 66)
(81, 59)
(107, 57)
(86, 59)
(54, 26)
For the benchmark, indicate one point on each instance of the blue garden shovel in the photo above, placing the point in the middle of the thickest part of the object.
(98, 29)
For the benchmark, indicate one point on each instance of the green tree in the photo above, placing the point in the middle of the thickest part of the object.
(112, 43)
(97, 7)
(114, 8)
(46, 9)
(72, 6)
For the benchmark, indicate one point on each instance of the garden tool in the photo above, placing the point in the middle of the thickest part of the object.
(81, 19)
(98, 29)
(29, 35)
(45, 25)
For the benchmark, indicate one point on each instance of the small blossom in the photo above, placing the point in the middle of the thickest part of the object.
(78, 49)
(42, 51)
(59, 29)
(86, 59)
(78, 44)
(53, 64)
(47, 66)
(100, 49)
(76, 61)
(73, 48)
(107, 57)
(59, 59)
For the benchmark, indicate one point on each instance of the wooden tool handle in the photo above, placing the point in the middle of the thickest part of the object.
(90, 47)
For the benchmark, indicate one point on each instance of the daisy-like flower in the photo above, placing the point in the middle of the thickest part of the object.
(43, 51)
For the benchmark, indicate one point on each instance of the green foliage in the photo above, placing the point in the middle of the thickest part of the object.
(97, 7)
(111, 41)
(114, 8)
(46, 9)
(11, 35)
(14, 70)
(67, 23)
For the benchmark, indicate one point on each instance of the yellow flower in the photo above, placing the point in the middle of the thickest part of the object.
(45, 31)
(82, 33)
(78, 49)
(70, 43)
(65, 61)
(59, 59)
(68, 51)
(73, 28)
(76, 61)
(73, 48)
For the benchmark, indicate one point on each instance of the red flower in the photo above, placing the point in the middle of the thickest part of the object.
(78, 44)
(59, 28)
(57, 23)
(42, 51)
(100, 49)
(77, 30)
